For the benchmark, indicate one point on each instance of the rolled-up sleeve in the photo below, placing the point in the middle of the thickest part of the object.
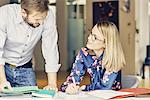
(2, 34)
(49, 44)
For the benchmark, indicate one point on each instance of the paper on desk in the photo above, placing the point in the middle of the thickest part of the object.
(107, 94)
(44, 93)
(79, 96)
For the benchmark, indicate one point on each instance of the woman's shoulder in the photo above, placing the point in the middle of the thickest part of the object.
(86, 51)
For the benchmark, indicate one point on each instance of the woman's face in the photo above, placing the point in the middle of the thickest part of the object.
(95, 39)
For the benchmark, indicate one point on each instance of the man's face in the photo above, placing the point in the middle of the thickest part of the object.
(35, 18)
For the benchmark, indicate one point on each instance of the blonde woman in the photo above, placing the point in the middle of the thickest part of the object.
(102, 58)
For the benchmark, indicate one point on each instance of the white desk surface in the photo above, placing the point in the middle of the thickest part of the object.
(64, 96)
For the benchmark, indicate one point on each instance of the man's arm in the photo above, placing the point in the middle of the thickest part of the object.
(50, 50)
(52, 81)
(3, 35)
(2, 75)
(52, 78)
(2, 43)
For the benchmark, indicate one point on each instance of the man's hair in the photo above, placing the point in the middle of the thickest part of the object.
(35, 5)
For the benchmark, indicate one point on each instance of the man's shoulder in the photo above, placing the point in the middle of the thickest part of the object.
(51, 17)
(9, 7)
(51, 13)
(9, 11)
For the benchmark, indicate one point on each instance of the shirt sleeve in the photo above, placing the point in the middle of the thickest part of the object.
(49, 44)
(2, 33)
(105, 83)
(108, 80)
(77, 72)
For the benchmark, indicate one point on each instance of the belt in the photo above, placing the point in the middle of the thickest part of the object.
(27, 65)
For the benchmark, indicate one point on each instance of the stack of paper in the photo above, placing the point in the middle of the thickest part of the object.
(33, 90)
(21, 90)
(44, 93)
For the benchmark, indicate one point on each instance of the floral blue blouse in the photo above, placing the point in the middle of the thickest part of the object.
(99, 77)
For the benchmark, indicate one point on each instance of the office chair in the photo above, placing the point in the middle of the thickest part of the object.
(130, 81)
(146, 62)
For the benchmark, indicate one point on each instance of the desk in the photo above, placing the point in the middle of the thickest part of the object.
(58, 96)
(64, 96)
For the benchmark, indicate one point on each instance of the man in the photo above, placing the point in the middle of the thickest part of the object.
(21, 27)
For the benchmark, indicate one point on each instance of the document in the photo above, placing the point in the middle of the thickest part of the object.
(44, 93)
(107, 94)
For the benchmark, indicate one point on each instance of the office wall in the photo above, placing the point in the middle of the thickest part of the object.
(127, 35)
(134, 29)
(142, 36)
(61, 13)
(3, 2)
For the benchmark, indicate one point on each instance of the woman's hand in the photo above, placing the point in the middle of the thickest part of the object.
(72, 89)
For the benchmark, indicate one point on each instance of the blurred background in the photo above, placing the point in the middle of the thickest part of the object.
(132, 17)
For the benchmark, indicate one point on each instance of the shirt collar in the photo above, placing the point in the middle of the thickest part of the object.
(19, 16)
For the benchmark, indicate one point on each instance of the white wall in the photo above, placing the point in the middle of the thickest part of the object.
(142, 38)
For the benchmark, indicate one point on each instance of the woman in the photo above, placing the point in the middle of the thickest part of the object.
(102, 58)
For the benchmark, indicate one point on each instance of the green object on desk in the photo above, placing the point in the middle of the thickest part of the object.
(34, 90)
(21, 90)
(44, 93)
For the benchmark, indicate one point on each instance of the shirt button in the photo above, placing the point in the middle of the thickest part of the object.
(25, 44)
(27, 35)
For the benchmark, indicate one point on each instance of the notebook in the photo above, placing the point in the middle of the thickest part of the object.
(135, 92)
(21, 90)
(33, 90)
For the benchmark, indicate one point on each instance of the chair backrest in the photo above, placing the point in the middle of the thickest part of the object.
(130, 81)
(148, 51)
(147, 59)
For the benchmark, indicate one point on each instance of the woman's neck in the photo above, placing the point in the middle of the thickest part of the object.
(99, 52)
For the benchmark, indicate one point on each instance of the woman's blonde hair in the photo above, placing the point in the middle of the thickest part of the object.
(113, 59)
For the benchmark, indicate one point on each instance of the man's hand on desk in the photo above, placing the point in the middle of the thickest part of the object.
(52, 82)
(3, 82)
(4, 85)
(51, 87)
